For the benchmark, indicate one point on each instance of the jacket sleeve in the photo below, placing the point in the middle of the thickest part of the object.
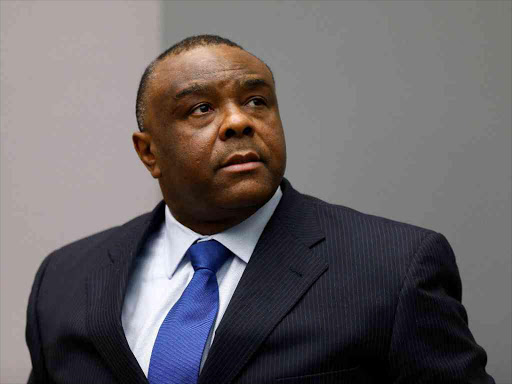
(38, 375)
(431, 341)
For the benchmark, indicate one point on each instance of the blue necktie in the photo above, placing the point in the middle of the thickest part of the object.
(179, 345)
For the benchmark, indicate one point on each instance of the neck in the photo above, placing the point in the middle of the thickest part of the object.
(213, 226)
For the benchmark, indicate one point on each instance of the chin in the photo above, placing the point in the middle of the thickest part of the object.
(250, 194)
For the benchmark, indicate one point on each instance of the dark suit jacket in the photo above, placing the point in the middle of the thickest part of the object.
(330, 295)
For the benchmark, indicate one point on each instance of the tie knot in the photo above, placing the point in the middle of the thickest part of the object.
(208, 255)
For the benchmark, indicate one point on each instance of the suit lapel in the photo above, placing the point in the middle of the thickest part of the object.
(106, 288)
(281, 270)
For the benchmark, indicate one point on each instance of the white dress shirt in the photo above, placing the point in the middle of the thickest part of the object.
(162, 273)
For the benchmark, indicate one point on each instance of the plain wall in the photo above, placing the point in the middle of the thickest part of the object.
(69, 76)
(399, 109)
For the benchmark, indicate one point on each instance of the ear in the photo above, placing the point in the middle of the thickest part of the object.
(143, 143)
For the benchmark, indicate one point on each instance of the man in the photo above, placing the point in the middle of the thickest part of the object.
(300, 291)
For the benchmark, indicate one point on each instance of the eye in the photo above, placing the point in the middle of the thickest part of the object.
(201, 109)
(257, 102)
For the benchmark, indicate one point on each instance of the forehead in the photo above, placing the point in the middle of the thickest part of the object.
(209, 64)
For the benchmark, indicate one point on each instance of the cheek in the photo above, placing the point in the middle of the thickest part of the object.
(275, 138)
(167, 154)
(277, 147)
(187, 156)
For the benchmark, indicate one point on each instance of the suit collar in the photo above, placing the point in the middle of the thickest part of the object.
(134, 234)
(297, 213)
(294, 211)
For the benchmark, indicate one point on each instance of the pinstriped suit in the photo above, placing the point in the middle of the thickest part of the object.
(330, 295)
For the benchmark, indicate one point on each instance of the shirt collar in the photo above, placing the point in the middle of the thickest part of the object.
(240, 239)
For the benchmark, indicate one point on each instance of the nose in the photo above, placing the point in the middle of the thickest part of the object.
(236, 123)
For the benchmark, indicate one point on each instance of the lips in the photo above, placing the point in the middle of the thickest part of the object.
(241, 158)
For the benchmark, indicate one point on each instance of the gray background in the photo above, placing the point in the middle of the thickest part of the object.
(400, 109)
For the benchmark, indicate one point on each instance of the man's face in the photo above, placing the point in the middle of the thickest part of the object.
(215, 130)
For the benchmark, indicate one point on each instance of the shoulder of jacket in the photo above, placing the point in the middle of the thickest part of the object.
(95, 242)
(342, 214)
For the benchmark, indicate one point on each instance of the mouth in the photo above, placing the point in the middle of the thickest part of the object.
(242, 162)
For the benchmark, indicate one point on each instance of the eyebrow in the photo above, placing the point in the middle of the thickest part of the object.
(252, 83)
(201, 89)
(191, 90)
